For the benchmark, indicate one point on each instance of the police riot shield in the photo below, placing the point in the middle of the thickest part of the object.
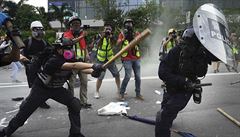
(211, 28)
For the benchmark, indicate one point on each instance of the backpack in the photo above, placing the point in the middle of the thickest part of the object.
(36, 64)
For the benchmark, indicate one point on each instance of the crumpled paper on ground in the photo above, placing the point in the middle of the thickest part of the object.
(113, 108)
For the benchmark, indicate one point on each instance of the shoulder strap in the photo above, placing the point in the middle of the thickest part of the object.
(45, 43)
(29, 43)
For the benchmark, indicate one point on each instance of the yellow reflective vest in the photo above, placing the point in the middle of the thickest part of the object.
(105, 51)
(136, 51)
(79, 53)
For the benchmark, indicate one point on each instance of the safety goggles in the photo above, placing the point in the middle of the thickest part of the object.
(38, 29)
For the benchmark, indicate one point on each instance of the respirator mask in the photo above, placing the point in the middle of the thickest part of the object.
(68, 52)
(108, 31)
(38, 32)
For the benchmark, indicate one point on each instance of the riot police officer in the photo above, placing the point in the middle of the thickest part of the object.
(49, 84)
(180, 70)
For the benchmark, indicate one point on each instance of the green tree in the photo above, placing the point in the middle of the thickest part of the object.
(103, 7)
(44, 16)
(232, 17)
(60, 12)
(25, 15)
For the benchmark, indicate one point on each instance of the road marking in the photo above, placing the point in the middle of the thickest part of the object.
(24, 84)
(3, 122)
(12, 111)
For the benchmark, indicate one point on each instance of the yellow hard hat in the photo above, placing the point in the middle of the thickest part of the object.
(171, 30)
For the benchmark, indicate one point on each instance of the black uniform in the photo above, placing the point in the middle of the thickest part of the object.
(49, 85)
(184, 63)
(32, 50)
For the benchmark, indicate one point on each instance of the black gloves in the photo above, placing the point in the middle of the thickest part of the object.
(190, 85)
(97, 70)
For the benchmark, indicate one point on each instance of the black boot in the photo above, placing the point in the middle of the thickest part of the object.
(76, 135)
(2, 133)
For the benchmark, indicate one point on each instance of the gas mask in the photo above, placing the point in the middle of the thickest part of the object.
(68, 54)
(38, 32)
(128, 27)
(108, 31)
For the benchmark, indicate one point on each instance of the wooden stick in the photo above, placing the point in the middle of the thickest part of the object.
(134, 42)
(16, 39)
(229, 117)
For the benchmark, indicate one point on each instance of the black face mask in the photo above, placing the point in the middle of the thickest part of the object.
(128, 32)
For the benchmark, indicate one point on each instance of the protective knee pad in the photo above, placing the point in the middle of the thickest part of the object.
(75, 105)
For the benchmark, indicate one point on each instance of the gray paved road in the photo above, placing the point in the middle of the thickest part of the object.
(201, 120)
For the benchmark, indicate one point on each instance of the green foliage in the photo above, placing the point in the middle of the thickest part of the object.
(12, 8)
(114, 17)
(60, 12)
(25, 15)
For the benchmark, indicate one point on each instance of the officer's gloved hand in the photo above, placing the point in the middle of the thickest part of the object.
(189, 85)
(3, 18)
(96, 74)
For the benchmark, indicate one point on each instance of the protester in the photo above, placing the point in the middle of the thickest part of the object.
(130, 60)
(34, 45)
(76, 34)
(104, 54)
(7, 56)
(49, 84)
(235, 48)
(16, 67)
(168, 43)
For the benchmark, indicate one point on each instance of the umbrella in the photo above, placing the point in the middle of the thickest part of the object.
(152, 122)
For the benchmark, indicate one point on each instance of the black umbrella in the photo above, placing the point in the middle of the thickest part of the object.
(152, 122)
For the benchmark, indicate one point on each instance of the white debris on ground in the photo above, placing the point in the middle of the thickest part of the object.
(114, 108)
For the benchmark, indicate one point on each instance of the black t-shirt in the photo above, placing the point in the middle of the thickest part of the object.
(53, 64)
(36, 47)
(52, 75)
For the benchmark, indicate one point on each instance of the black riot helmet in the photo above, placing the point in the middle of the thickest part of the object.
(190, 37)
(128, 24)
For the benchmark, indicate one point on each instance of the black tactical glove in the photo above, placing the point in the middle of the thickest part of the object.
(96, 74)
(97, 70)
(97, 67)
(191, 85)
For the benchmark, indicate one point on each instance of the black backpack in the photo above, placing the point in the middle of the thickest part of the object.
(34, 67)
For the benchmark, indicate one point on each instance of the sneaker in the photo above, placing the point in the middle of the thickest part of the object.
(45, 106)
(96, 95)
(121, 97)
(139, 97)
(86, 105)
